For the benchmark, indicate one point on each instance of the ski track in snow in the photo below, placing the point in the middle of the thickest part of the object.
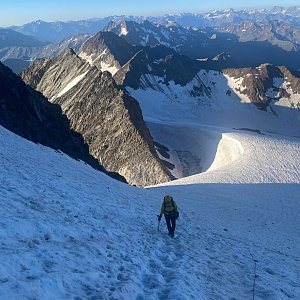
(69, 232)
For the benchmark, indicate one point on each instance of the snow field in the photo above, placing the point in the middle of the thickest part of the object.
(69, 232)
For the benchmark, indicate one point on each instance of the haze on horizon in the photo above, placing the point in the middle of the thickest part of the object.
(18, 12)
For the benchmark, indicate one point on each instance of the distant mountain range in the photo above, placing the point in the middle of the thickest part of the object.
(217, 49)
(18, 58)
(56, 31)
(217, 38)
(12, 38)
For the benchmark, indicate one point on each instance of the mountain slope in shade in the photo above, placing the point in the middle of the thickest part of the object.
(279, 33)
(29, 114)
(11, 38)
(126, 63)
(108, 118)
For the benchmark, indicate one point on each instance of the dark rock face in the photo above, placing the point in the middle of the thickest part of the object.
(110, 121)
(28, 113)
(292, 80)
(157, 61)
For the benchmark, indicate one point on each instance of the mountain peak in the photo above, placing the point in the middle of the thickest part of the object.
(108, 51)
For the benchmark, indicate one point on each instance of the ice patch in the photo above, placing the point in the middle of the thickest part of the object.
(71, 84)
(124, 31)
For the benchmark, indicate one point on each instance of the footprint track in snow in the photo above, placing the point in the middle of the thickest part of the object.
(163, 267)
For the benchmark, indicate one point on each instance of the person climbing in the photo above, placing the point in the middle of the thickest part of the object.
(170, 210)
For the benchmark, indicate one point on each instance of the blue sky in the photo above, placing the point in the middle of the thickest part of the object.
(22, 11)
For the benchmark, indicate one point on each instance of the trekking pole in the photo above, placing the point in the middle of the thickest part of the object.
(158, 222)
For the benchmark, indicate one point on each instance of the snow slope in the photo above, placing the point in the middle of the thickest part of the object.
(70, 232)
(218, 104)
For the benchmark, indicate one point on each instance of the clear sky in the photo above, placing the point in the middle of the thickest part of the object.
(16, 12)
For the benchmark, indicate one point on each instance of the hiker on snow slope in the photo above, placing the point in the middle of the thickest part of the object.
(170, 210)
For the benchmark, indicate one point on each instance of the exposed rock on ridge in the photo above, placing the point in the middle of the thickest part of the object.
(265, 83)
(110, 121)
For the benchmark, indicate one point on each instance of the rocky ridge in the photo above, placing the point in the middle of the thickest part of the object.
(109, 120)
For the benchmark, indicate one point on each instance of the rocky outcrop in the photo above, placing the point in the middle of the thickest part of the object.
(109, 120)
(292, 80)
(265, 83)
